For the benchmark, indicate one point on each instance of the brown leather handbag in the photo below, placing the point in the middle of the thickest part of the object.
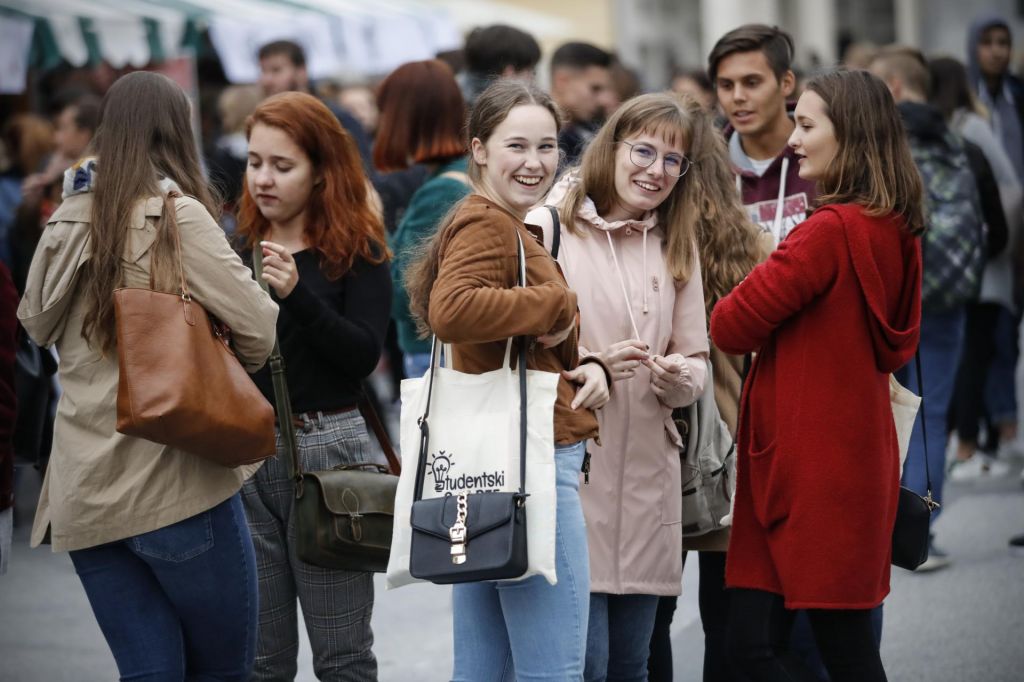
(180, 383)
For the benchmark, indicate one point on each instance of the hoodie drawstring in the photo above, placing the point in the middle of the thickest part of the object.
(780, 202)
(644, 280)
(622, 283)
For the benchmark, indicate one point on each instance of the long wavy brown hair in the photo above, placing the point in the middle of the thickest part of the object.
(873, 166)
(703, 208)
(341, 223)
(491, 108)
(144, 134)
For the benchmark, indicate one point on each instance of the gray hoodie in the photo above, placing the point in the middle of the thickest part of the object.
(1007, 105)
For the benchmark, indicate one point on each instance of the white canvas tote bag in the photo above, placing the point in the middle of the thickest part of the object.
(904, 412)
(474, 446)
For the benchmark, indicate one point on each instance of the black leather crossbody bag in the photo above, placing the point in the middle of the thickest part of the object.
(476, 536)
(911, 534)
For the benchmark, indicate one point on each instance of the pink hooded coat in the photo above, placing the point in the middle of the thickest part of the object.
(632, 504)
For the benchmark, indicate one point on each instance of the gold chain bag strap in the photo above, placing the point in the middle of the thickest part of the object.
(344, 517)
(179, 382)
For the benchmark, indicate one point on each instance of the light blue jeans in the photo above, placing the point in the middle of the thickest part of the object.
(530, 630)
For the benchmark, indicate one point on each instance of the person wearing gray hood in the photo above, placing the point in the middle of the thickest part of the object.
(989, 48)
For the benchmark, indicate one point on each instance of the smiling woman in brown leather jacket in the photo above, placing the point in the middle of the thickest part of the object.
(464, 290)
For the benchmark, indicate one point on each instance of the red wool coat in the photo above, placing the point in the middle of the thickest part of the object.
(831, 313)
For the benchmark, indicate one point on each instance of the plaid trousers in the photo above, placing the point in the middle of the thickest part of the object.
(336, 605)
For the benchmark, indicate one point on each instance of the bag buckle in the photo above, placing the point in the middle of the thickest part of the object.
(457, 533)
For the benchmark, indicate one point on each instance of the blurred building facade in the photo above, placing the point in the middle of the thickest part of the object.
(654, 36)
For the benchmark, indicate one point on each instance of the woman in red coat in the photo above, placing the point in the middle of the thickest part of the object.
(830, 314)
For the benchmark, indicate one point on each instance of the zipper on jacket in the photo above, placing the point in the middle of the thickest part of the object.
(586, 468)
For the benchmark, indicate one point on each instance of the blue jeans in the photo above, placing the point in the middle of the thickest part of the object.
(1001, 387)
(179, 602)
(527, 629)
(619, 637)
(942, 336)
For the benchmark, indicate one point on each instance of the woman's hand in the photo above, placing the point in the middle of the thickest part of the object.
(624, 357)
(666, 374)
(279, 268)
(593, 386)
(553, 339)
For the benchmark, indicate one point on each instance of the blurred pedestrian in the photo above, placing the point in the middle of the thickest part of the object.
(28, 141)
(464, 290)
(360, 100)
(77, 114)
(839, 301)
(629, 218)
(989, 47)
(954, 258)
(493, 52)
(580, 76)
(283, 69)
(8, 411)
(157, 535)
(1001, 207)
(696, 84)
(422, 117)
(305, 204)
(229, 158)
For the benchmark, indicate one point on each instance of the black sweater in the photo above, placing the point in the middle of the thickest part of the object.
(331, 333)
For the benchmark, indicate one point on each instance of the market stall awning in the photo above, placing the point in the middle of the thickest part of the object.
(341, 37)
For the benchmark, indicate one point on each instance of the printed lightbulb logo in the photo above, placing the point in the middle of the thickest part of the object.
(440, 464)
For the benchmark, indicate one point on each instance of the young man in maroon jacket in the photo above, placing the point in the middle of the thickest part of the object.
(750, 68)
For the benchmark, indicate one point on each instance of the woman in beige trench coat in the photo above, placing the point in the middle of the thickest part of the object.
(157, 536)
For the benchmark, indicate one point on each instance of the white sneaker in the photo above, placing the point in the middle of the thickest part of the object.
(978, 467)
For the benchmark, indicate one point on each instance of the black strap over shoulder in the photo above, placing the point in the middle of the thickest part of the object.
(556, 231)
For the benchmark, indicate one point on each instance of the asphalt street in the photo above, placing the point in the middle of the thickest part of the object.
(960, 624)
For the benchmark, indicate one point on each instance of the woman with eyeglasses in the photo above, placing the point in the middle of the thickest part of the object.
(629, 217)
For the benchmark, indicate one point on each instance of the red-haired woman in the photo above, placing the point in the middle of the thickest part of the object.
(305, 202)
(421, 120)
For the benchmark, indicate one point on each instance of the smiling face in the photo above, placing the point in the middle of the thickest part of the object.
(750, 94)
(637, 189)
(814, 137)
(280, 175)
(518, 161)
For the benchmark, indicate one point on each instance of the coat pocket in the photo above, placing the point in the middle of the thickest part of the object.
(769, 486)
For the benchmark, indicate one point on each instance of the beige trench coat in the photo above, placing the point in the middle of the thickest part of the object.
(101, 485)
(633, 506)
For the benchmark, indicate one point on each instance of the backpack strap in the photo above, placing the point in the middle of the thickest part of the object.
(556, 227)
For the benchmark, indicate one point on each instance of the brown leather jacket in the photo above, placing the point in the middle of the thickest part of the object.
(475, 304)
